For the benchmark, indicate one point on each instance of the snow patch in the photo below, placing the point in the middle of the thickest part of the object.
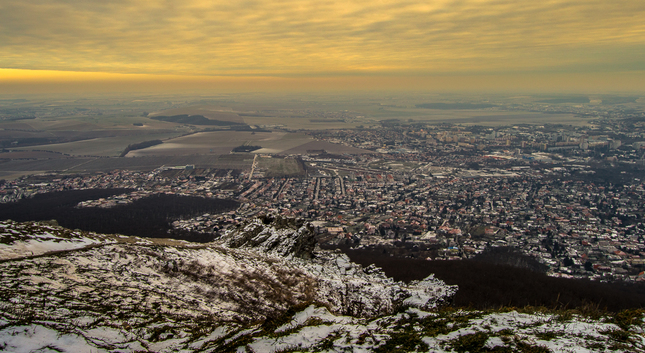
(19, 339)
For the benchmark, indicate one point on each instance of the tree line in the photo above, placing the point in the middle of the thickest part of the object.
(140, 146)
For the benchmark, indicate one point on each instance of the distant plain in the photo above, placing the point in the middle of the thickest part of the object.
(78, 135)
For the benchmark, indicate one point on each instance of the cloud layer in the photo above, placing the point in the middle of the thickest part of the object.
(294, 38)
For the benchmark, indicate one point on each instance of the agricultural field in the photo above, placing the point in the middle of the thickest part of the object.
(12, 169)
(149, 163)
(99, 147)
(99, 134)
(218, 142)
(279, 142)
(31, 155)
(277, 167)
(222, 142)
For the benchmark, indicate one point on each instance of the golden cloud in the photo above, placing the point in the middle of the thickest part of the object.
(321, 37)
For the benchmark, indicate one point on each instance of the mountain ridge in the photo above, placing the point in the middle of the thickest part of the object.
(262, 287)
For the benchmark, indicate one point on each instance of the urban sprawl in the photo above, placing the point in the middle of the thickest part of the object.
(570, 196)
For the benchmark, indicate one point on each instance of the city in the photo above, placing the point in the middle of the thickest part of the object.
(571, 197)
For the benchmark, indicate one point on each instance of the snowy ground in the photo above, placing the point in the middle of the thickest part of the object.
(262, 288)
(19, 240)
(316, 329)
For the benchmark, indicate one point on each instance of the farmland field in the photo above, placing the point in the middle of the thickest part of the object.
(215, 142)
(11, 169)
(275, 167)
(281, 141)
(85, 135)
(222, 142)
(30, 155)
(101, 147)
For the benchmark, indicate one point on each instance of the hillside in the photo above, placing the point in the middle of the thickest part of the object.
(263, 287)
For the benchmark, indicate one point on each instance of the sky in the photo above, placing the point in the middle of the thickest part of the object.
(251, 45)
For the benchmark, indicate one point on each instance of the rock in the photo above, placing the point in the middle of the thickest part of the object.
(274, 235)
(343, 286)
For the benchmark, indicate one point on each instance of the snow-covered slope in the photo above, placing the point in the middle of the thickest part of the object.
(262, 287)
(28, 239)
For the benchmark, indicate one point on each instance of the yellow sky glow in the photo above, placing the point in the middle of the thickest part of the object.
(289, 41)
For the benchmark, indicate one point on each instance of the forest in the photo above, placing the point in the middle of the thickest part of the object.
(149, 217)
(492, 282)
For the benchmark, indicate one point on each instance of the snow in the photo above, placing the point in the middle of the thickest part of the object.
(305, 338)
(500, 321)
(144, 295)
(171, 345)
(213, 336)
(34, 247)
(106, 334)
(18, 339)
(493, 342)
(312, 312)
(420, 313)
(429, 293)
(240, 334)
(84, 321)
(32, 239)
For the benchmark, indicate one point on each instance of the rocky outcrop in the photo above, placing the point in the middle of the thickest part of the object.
(342, 286)
(274, 235)
(259, 269)
(156, 289)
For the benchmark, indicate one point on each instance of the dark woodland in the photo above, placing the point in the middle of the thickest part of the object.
(491, 282)
(150, 217)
